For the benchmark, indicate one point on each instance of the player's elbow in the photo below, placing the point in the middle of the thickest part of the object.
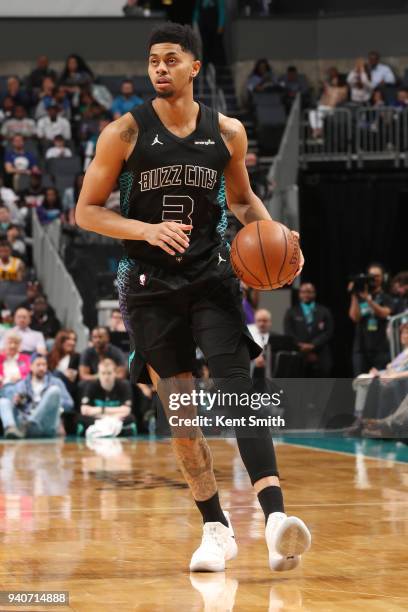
(82, 217)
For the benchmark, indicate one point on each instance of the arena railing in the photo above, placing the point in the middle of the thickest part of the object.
(394, 333)
(57, 282)
(283, 173)
(356, 135)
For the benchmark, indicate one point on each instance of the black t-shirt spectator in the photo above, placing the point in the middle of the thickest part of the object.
(48, 324)
(370, 336)
(91, 358)
(95, 395)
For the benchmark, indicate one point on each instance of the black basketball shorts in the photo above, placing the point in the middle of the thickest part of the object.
(168, 315)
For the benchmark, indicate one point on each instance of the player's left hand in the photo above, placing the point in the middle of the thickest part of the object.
(301, 260)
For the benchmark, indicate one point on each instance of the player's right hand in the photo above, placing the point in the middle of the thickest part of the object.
(169, 236)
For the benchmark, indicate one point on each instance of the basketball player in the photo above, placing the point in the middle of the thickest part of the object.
(176, 159)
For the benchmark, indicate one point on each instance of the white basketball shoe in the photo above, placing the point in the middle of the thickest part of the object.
(287, 538)
(217, 546)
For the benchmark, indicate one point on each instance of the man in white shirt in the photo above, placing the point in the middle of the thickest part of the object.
(380, 74)
(53, 124)
(260, 331)
(59, 149)
(31, 341)
(18, 124)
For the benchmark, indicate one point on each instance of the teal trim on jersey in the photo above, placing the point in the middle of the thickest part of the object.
(131, 358)
(379, 449)
(222, 203)
(125, 185)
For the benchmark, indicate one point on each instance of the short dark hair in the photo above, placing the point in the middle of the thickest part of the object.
(182, 35)
(5, 243)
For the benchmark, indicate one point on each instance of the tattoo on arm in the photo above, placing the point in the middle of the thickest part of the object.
(128, 135)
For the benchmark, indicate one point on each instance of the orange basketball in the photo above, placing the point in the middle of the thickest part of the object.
(265, 255)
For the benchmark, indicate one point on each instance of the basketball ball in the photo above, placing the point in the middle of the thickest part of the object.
(265, 255)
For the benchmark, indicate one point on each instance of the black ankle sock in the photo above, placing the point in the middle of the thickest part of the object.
(271, 500)
(211, 510)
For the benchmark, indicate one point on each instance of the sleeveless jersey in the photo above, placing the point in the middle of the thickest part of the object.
(168, 178)
(9, 271)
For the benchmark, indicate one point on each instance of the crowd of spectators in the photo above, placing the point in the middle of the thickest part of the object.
(48, 388)
(370, 83)
(47, 117)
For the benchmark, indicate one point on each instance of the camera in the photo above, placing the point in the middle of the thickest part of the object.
(362, 282)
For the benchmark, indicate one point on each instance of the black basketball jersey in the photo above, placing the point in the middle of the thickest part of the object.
(168, 178)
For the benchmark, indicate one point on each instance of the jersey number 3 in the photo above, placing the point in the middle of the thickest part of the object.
(179, 209)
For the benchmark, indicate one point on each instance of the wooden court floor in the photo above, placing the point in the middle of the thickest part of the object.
(114, 525)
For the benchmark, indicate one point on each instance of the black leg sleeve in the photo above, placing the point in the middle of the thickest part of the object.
(231, 375)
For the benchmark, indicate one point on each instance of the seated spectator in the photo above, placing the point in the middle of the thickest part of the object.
(6, 319)
(15, 92)
(90, 145)
(18, 161)
(118, 334)
(33, 195)
(45, 97)
(261, 77)
(311, 326)
(62, 99)
(5, 219)
(10, 199)
(18, 124)
(126, 100)
(396, 370)
(380, 74)
(116, 323)
(58, 149)
(36, 407)
(377, 98)
(33, 290)
(257, 176)
(31, 341)
(359, 82)
(399, 292)
(63, 360)
(41, 72)
(293, 84)
(6, 108)
(53, 124)
(402, 98)
(70, 198)
(393, 426)
(15, 239)
(42, 320)
(334, 93)
(76, 74)
(51, 207)
(11, 268)
(106, 396)
(250, 301)
(89, 113)
(100, 349)
(14, 366)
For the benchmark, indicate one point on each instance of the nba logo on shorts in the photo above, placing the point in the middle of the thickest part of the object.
(142, 279)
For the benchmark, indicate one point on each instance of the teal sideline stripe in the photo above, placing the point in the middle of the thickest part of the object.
(379, 449)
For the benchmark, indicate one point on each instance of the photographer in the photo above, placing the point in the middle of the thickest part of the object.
(369, 309)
